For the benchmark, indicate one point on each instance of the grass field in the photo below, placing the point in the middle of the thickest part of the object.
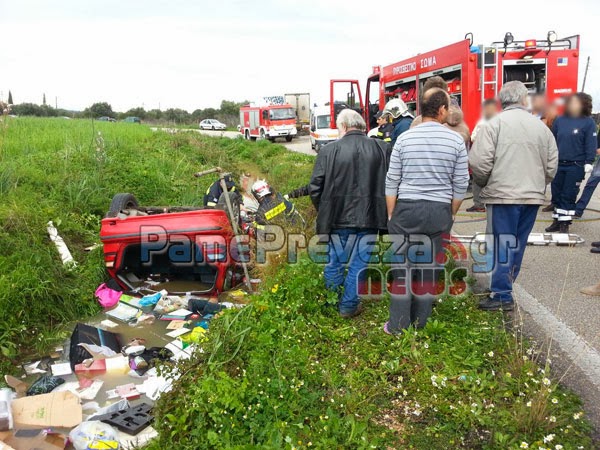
(284, 372)
(67, 171)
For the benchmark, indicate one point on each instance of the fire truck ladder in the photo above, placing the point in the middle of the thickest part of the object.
(485, 79)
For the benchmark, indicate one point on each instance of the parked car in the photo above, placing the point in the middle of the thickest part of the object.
(106, 119)
(132, 119)
(212, 124)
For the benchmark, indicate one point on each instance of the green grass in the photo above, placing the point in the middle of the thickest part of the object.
(67, 171)
(284, 372)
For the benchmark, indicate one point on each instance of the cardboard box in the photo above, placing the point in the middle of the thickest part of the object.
(59, 409)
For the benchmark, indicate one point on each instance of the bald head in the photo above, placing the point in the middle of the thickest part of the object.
(435, 102)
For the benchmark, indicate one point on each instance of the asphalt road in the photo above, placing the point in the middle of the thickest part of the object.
(553, 312)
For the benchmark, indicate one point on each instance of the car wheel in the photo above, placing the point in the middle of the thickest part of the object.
(213, 128)
(247, 135)
(288, 138)
(121, 202)
(262, 134)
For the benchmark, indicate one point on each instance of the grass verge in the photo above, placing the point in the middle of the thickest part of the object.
(67, 171)
(287, 372)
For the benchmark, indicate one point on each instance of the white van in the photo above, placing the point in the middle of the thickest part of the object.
(321, 132)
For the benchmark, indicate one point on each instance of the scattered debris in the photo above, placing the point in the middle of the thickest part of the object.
(63, 250)
(56, 409)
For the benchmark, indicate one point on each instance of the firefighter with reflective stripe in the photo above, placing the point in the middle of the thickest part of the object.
(385, 128)
(273, 207)
(213, 193)
(577, 139)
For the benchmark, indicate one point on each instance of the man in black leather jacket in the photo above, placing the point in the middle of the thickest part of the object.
(347, 188)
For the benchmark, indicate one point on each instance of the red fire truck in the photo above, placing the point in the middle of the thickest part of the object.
(473, 73)
(268, 121)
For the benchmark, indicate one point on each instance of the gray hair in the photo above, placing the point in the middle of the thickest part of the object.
(513, 93)
(348, 118)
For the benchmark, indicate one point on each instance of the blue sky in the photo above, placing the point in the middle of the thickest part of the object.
(192, 54)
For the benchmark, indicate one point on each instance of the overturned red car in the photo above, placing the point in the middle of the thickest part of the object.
(179, 249)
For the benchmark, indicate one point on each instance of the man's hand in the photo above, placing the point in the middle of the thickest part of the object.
(588, 168)
(286, 196)
(390, 201)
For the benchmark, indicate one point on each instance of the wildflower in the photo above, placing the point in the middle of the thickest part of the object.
(552, 419)
(554, 400)
(577, 416)
(528, 404)
(546, 381)
(524, 445)
(548, 438)
(491, 354)
(558, 447)
(426, 345)
(508, 375)
(275, 288)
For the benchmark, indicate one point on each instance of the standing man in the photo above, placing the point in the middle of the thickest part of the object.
(347, 189)
(425, 186)
(513, 158)
(489, 110)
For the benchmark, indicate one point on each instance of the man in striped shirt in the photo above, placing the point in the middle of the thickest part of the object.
(425, 186)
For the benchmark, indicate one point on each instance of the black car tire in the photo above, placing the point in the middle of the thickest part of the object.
(121, 202)
(288, 138)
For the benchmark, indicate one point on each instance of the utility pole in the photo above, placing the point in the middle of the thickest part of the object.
(587, 67)
(55, 102)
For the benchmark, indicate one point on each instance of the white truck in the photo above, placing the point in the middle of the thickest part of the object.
(301, 104)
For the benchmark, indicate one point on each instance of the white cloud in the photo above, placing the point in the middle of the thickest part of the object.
(187, 54)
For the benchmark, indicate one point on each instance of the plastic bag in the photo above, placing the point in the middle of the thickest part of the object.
(93, 435)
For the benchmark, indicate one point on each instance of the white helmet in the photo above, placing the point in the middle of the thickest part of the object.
(261, 188)
(395, 108)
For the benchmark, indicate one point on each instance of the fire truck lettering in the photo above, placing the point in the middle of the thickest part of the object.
(404, 68)
(430, 61)
(563, 91)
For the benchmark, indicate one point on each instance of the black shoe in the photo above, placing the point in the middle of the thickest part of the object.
(596, 244)
(489, 304)
(548, 208)
(564, 227)
(350, 315)
(595, 250)
(555, 227)
(577, 216)
(476, 209)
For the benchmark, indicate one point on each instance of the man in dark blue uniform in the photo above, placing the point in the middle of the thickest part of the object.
(576, 136)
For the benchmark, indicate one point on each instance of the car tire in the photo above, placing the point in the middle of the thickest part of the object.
(247, 135)
(262, 134)
(213, 128)
(288, 138)
(121, 202)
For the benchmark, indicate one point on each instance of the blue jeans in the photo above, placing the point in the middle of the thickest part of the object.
(588, 190)
(349, 248)
(510, 227)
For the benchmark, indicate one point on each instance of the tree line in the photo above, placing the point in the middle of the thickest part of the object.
(228, 113)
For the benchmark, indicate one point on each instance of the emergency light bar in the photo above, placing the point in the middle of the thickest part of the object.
(530, 44)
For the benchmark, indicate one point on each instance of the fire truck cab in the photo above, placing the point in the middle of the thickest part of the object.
(268, 121)
(473, 73)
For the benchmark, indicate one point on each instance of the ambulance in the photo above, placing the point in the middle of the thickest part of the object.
(321, 131)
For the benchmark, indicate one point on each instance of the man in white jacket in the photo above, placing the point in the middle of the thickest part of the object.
(513, 158)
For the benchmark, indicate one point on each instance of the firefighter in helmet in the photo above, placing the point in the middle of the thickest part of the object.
(385, 127)
(400, 116)
(273, 207)
(213, 193)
